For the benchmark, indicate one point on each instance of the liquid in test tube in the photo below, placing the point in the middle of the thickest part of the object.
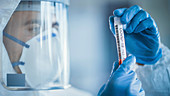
(120, 40)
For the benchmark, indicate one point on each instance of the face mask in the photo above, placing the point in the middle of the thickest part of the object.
(40, 60)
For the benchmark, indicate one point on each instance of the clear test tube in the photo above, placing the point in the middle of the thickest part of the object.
(120, 40)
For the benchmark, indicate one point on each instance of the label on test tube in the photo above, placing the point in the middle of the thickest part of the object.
(120, 40)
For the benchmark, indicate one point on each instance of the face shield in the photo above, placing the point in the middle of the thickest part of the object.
(34, 49)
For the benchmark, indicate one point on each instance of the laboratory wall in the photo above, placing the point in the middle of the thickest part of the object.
(92, 45)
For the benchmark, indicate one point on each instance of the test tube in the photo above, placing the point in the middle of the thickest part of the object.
(120, 40)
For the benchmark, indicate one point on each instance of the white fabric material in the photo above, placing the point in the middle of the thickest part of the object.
(156, 78)
(7, 7)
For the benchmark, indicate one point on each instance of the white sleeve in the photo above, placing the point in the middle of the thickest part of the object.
(155, 78)
(165, 54)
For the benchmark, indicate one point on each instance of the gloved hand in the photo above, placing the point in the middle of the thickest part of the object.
(123, 80)
(141, 34)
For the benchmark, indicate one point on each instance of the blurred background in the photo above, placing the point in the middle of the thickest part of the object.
(92, 45)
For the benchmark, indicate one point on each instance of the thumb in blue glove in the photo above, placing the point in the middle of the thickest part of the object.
(123, 80)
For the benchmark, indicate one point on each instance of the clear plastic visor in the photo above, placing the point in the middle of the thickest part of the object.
(35, 53)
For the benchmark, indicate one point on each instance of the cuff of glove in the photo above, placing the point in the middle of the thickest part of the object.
(149, 60)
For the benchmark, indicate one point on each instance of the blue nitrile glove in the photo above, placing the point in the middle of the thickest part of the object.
(123, 80)
(141, 34)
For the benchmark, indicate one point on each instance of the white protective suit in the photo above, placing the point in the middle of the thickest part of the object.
(156, 78)
(7, 7)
